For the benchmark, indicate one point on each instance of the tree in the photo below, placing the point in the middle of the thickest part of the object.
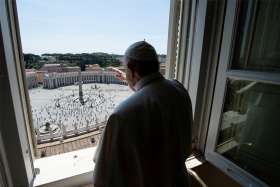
(32, 61)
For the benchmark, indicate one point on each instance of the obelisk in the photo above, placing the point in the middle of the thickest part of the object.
(81, 98)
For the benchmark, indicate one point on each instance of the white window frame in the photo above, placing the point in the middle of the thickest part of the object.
(192, 69)
(12, 49)
(190, 62)
(185, 40)
(225, 73)
(174, 28)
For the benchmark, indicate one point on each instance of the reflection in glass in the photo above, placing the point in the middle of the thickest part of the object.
(250, 128)
(257, 41)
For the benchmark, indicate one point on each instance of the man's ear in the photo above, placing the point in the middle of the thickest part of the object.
(131, 68)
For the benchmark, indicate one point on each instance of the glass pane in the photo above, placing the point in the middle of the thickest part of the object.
(257, 42)
(250, 128)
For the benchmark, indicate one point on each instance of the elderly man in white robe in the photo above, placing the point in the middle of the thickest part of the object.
(147, 138)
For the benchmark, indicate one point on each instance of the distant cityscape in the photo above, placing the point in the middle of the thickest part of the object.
(56, 70)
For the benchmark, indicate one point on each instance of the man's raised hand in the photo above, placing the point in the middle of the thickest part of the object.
(119, 74)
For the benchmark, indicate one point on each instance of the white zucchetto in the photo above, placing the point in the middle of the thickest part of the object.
(142, 51)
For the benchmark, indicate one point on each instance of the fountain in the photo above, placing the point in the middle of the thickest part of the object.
(48, 128)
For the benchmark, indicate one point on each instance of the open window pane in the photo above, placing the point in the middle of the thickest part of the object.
(257, 36)
(249, 131)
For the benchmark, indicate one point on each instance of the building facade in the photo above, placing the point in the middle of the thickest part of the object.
(31, 80)
(55, 80)
(52, 68)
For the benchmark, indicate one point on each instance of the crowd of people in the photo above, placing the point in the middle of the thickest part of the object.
(67, 113)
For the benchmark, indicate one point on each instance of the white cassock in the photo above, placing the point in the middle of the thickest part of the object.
(147, 139)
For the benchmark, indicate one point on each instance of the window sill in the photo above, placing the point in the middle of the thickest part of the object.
(193, 162)
(74, 168)
(67, 169)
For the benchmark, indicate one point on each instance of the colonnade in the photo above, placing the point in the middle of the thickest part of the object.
(31, 80)
(55, 80)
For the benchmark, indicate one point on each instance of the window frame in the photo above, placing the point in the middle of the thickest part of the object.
(224, 74)
(13, 54)
(198, 56)
(187, 48)
(174, 30)
(180, 57)
(171, 61)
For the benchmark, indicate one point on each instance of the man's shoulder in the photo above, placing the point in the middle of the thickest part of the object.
(177, 84)
(138, 101)
(129, 105)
